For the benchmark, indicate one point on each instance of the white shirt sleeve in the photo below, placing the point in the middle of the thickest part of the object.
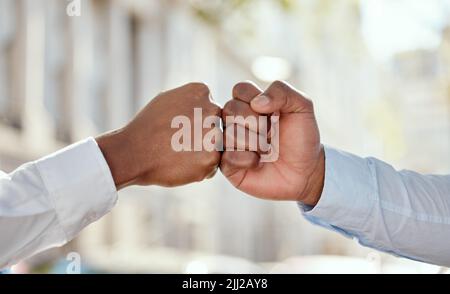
(400, 212)
(46, 203)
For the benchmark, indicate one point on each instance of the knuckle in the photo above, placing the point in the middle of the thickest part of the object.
(201, 89)
(278, 89)
(237, 108)
(216, 158)
(216, 110)
(246, 91)
(280, 84)
(229, 108)
(305, 101)
(211, 109)
(226, 162)
(241, 88)
(309, 104)
(212, 160)
(230, 158)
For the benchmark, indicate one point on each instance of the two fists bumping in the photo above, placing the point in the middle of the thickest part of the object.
(291, 167)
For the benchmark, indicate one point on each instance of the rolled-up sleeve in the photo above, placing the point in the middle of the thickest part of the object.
(46, 203)
(399, 212)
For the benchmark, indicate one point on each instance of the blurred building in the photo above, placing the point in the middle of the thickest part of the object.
(65, 78)
(425, 111)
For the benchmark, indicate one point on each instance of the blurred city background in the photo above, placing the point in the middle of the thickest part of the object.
(378, 72)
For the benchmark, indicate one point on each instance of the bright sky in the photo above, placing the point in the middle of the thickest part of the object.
(391, 26)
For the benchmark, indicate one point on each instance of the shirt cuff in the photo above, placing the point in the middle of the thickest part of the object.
(80, 185)
(348, 195)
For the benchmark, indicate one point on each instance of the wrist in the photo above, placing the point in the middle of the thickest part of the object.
(316, 181)
(116, 151)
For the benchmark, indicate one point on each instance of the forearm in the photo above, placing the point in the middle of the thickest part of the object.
(403, 213)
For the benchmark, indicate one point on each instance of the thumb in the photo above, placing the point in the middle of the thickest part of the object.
(283, 98)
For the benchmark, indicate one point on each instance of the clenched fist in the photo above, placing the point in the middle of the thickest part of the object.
(298, 171)
(141, 153)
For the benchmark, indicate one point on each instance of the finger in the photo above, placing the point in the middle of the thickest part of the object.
(234, 163)
(238, 112)
(282, 97)
(198, 90)
(246, 91)
(239, 138)
(213, 139)
(213, 110)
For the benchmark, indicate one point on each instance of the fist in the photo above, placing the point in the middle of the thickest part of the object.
(142, 153)
(298, 171)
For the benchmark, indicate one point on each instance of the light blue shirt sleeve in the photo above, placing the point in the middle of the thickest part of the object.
(400, 212)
